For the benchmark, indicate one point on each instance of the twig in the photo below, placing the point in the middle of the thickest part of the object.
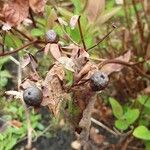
(102, 38)
(133, 66)
(32, 18)
(3, 42)
(140, 28)
(69, 36)
(104, 127)
(81, 34)
(45, 130)
(23, 34)
(18, 49)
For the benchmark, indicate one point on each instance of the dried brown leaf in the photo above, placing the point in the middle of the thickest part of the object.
(85, 122)
(67, 63)
(26, 61)
(16, 123)
(94, 8)
(114, 67)
(54, 49)
(52, 89)
(15, 11)
(37, 5)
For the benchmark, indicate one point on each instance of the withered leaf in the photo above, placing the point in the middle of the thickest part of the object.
(15, 11)
(74, 21)
(52, 89)
(79, 57)
(29, 59)
(114, 67)
(67, 63)
(54, 49)
(37, 5)
(94, 8)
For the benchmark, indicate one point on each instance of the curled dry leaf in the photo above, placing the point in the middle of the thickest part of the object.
(16, 94)
(29, 59)
(27, 83)
(62, 22)
(55, 51)
(53, 93)
(79, 57)
(94, 8)
(74, 21)
(88, 69)
(37, 5)
(67, 63)
(25, 61)
(15, 11)
(85, 122)
(114, 67)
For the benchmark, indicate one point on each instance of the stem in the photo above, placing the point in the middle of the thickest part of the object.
(102, 38)
(23, 34)
(81, 34)
(140, 28)
(32, 18)
(18, 49)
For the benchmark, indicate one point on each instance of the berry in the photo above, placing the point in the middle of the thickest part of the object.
(98, 81)
(33, 96)
(51, 36)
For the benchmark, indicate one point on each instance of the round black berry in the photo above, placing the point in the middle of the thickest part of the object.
(33, 96)
(98, 81)
(51, 36)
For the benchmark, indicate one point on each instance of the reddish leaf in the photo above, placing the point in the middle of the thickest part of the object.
(46, 49)
(15, 11)
(16, 123)
(54, 49)
(114, 67)
(94, 8)
(37, 5)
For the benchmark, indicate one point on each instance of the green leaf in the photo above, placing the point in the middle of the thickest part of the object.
(116, 108)
(37, 32)
(142, 132)
(77, 4)
(12, 41)
(131, 115)
(3, 81)
(121, 124)
(5, 74)
(147, 145)
(144, 100)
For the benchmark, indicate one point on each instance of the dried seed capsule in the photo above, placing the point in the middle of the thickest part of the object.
(98, 81)
(51, 36)
(33, 96)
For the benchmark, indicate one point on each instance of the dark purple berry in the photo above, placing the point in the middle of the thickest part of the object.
(33, 96)
(98, 81)
(51, 36)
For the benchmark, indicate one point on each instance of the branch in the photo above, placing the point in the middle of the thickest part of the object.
(81, 34)
(102, 38)
(32, 18)
(18, 49)
(132, 65)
